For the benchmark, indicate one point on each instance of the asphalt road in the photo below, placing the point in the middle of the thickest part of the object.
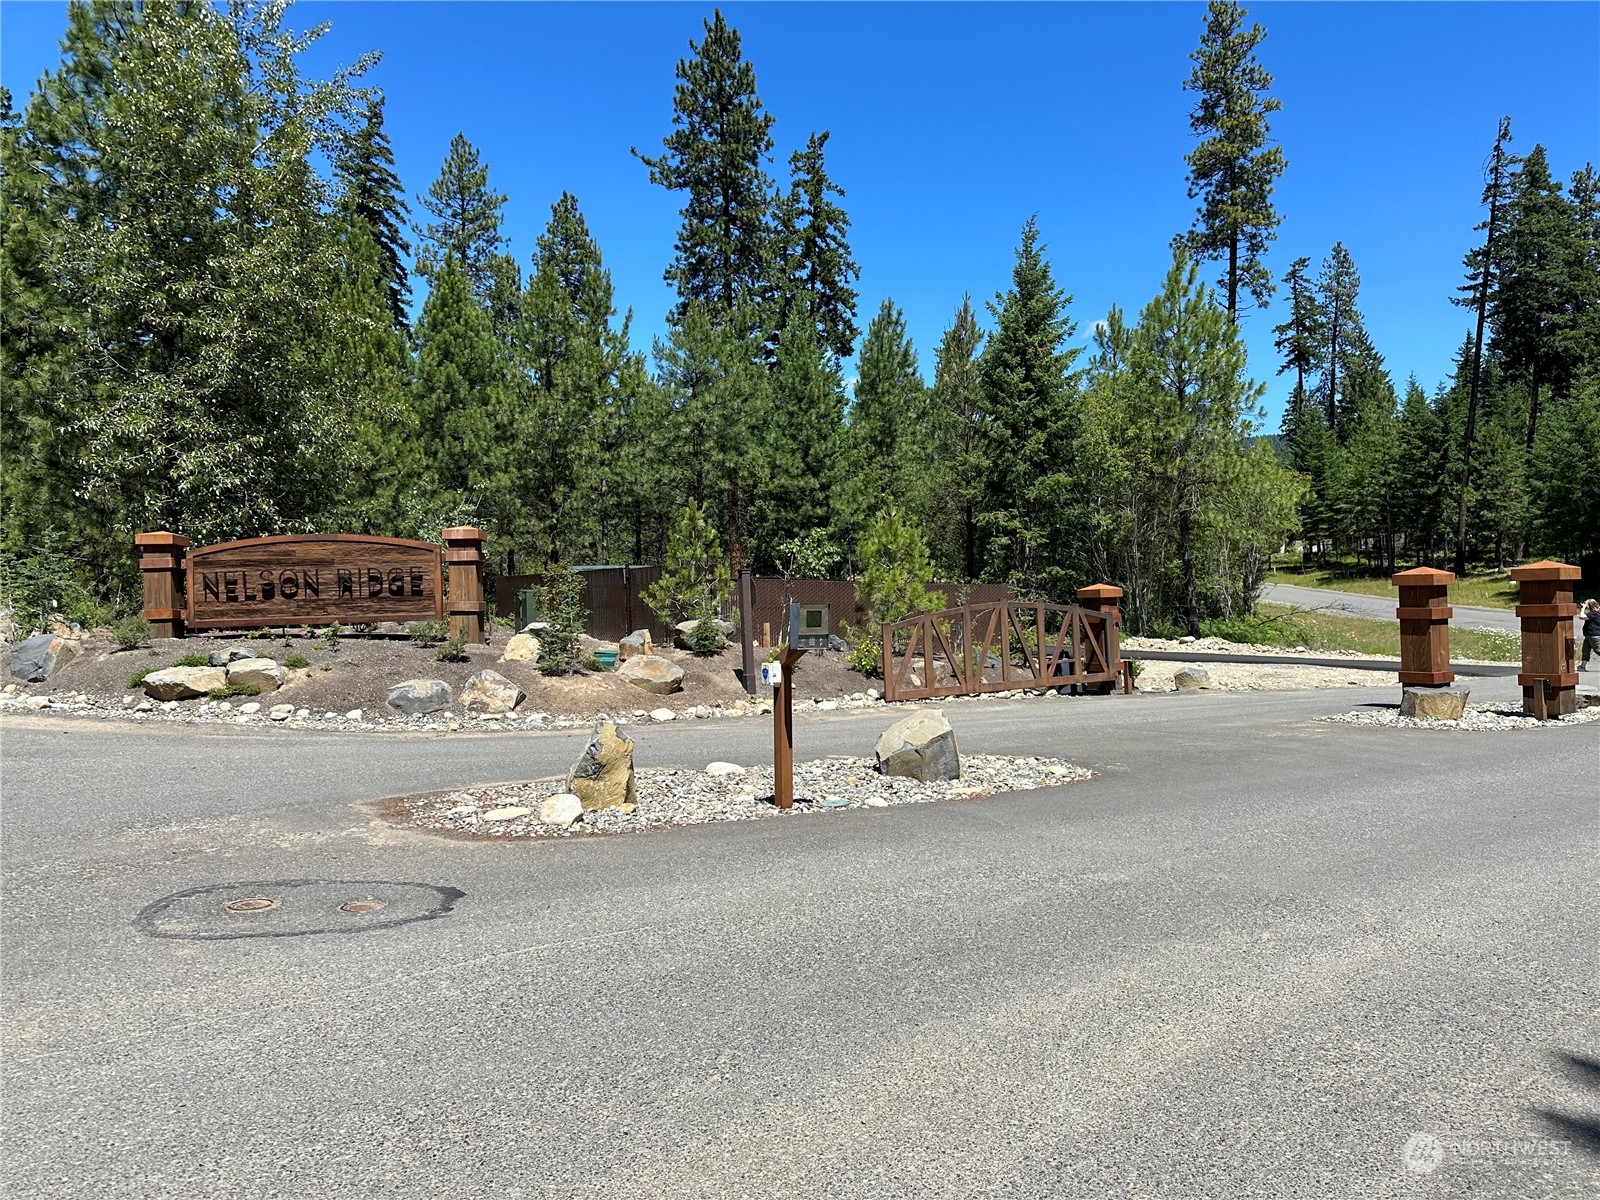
(1253, 958)
(1354, 604)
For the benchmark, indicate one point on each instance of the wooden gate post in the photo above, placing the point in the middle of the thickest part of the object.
(161, 562)
(1549, 675)
(1104, 598)
(1424, 614)
(464, 556)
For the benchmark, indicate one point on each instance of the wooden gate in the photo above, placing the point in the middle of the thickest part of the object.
(1000, 647)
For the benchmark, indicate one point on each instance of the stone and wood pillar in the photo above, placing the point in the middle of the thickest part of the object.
(1549, 676)
(1105, 598)
(1424, 614)
(161, 563)
(465, 604)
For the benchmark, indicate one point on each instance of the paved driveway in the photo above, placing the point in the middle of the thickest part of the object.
(1253, 958)
(1354, 604)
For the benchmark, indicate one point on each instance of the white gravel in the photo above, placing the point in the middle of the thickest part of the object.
(689, 797)
(1478, 718)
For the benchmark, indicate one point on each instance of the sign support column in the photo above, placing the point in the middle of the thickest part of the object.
(1549, 676)
(464, 557)
(161, 562)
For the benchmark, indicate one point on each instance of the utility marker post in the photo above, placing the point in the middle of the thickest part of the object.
(809, 628)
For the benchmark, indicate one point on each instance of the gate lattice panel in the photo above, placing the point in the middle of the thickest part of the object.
(1000, 647)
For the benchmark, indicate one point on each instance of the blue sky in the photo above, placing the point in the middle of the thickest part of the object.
(951, 123)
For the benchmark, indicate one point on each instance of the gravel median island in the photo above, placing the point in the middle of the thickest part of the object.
(1479, 718)
(690, 797)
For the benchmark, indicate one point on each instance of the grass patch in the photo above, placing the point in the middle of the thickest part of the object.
(137, 677)
(1281, 625)
(295, 661)
(235, 689)
(193, 660)
(1493, 589)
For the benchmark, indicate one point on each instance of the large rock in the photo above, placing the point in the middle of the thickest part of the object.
(603, 775)
(1192, 679)
(230, 654)
(521, 647)
(262, 673)
(684, 636)
(41, 656)
(922, 747)
(635, 645)
(184, 683)
(490, 692)
(561, 809)
(1433, 703)
(656, 675)
(417, 696)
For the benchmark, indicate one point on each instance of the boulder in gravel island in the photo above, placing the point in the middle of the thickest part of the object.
(562, 809)
(683, 638)
(521, 647)
(663, 714)
(417, 696)
(230, 654)
(603, 775)
(1433, 703)
(490, 692)
(263, 673)
(41, 656)
(922, 746)
(656, 675)
(635, 645)
(184, 683)
(1192, 679)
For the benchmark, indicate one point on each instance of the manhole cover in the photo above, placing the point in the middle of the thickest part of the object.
(278, 908)
(250, 904)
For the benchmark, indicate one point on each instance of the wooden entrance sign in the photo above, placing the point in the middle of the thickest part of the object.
(1424, 614)
(318, 579)
(1549, 677)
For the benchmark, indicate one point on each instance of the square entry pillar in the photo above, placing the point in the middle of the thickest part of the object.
(161, 562)
(1106, 598)
(1424, 614)
(466, 607)
(1549, 676)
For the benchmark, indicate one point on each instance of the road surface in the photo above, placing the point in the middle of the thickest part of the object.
(1381, 608)
(1254, 957)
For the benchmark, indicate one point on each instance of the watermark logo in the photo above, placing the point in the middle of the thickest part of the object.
(1422, 1153)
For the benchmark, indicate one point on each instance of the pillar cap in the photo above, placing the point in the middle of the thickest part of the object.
(463, 533)
(160, 537)
(1100, 591)
(1423, 577)
(1545, 570)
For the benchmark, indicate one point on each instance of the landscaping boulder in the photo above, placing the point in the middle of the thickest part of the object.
(522, 647)
(562, 809)
(1433, 703)
(41, 656)
(418, 696)
(1192, 679)
(230, 654)
(262, 673)
(635, 645)
(922, 747)
(490, 692)
(603, 775)
(683, 639)
(656, 675)
(184, 683)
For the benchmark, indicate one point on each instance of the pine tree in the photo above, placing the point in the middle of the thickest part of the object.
(1028, 390)
(895, 571)
(715, 154)
(466, 223)
(816, 255)
(365, 168)
(887, 439)
(1420, 485)
(959, 420)
(1564, 476)
(1343, 331)
(1299, 338)
(1233, 169)
(695, 578)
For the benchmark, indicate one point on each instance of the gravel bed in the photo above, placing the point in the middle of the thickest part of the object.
(1132, 644)
(732, 793)
(1478, 718)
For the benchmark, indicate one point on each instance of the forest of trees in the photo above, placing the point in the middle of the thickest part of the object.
(208, 264)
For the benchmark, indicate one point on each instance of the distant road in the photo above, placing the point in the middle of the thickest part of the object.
(1354, 604)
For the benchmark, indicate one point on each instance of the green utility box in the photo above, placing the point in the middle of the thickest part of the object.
(527, 607)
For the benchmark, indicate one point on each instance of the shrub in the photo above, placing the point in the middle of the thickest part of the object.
(864, 653)
(137, 677)
(705, 637)
(429, 633)
(561, 606)
(695, 574)
(193, 660)
(591, 663)
(454, 650)
(235, 689)
(256, 635)
(812, 555)
(130, 633)
(295, 661)
(330, 637)
(1248, 629)
(1136, 667)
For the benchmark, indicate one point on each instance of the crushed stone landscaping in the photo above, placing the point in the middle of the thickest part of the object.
(1478, 718)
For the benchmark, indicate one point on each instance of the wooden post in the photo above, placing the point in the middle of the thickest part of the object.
(1549, 675)
(161, 561)
(1104, 598)
(1424, 614)
(747, 631)
(783, 731)
(463, 556)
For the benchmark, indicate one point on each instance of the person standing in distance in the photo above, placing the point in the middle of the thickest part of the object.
(1591, 631)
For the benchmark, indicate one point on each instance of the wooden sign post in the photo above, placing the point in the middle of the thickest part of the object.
(1549, 676)
(464, 556)
(783, 730)
(1424, 613)
(161, 562)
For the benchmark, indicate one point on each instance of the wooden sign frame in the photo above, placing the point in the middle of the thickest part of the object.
(313, 579)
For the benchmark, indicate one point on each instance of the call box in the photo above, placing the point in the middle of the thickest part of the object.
(810, 626)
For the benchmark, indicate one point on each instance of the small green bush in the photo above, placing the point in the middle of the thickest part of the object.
(429, 633)
(454, 650)
(863, 656)
(235, 689)
(193, 660)
(1135, 667)
(137, 677)
(257, 634)
(705, 637)
(130, 633)
(1247, 629)
(330, 637)
(591, 663)
(561, 605)
(295, 661)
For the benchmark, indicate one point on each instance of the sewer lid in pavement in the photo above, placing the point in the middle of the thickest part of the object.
(293, 908)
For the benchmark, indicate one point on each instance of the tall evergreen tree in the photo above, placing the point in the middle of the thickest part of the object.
(1028, 391)
(365, 167)
(1235, 166)
(959, 440)
(1343, 330)
(812, 232)
(716, 154)
(1299, 339)
(466, 224)
(1420, 485)
(886, 441)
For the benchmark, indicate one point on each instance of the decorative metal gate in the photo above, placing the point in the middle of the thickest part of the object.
(999, 647)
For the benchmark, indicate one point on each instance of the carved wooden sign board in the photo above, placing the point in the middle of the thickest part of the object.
(318, 579)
